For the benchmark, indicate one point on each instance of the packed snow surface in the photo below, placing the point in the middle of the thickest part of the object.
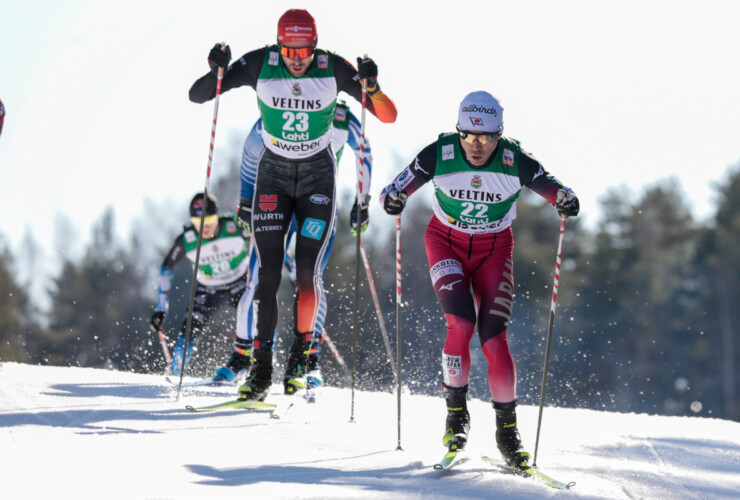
(90, 433)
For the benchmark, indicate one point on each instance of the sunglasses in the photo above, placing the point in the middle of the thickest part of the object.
(483, 137)
(291, 52)
(209, 220)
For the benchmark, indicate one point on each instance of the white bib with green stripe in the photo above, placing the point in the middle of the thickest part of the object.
(473, 200)
(296, 112)
(224, 258)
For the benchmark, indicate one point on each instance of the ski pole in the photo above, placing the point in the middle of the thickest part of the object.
(165, 350)
(358, 236)
(549, 334)
(335, 352)
(220, 76)
(398, 325)
(378, 311)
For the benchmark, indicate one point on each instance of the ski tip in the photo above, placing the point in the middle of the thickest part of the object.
(188, 407)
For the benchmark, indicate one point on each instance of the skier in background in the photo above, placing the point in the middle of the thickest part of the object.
(297, 86)
(478, 174)
(222, 270)
(346, 129)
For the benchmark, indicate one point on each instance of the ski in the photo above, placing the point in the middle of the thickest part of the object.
(451, 459)
(239, 404)
(205, 382)
(531, 472)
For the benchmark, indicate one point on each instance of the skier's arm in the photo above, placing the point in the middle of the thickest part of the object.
(348, 80)
(253, 146)
(355, 140)
(242, 72)
(415, 175)
(533, 175)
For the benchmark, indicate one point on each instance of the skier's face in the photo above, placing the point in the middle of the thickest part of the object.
(210, 225)
(478, 149)
(297, 57)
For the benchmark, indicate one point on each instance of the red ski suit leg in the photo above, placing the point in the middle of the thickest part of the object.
(458, 262)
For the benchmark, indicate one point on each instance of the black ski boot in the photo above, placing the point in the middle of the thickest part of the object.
(457, 424)
(296, 365)
(236, 364)
(259, 379)
(507, 436)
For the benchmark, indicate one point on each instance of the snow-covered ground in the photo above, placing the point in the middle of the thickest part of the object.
(85, 433)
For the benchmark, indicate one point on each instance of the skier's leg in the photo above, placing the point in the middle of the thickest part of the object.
(272, 210)
(241, 356)
(315, 214)
(201, 315)
(493, 285)
(314, 378)
(451, 285)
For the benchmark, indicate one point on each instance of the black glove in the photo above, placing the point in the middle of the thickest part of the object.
(219, 57)
(395, 201)
(368, 70)
(567, 203)
(244, 215)
(364, 216)
(156, 320)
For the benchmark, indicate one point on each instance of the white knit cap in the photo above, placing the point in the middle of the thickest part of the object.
(481, 112)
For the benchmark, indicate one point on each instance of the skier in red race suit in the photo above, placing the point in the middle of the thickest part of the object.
(297, 86)
(477, 174)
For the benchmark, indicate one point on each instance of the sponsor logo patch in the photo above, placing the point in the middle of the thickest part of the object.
(448, 152)
(404, 179)
(452, 366)
(508, 157)
(417, 166)
(323, 61)
(313, 228)
(476, 122)
(320, 199)
(272, 60)
(449, 286)
(445, 267)
(268, 202)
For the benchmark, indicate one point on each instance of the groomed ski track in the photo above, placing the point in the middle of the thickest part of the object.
(89, 433)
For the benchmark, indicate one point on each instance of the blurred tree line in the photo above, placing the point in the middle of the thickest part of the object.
(646, 317)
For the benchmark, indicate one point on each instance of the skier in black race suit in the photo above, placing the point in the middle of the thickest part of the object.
(297, 86)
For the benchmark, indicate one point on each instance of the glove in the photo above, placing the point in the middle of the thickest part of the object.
(156, 320)
(567, 203)
(395, 201)
(368, 70)
(364, 216)
(219, 57)
(244, 215)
